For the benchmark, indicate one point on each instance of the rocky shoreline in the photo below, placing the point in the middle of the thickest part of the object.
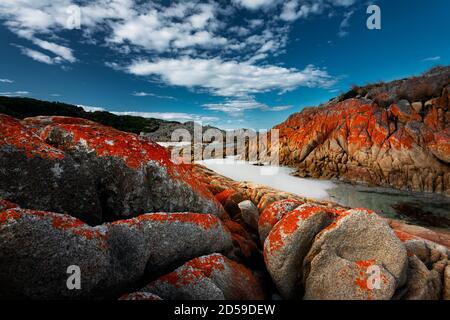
(390, 134)
(76, 193)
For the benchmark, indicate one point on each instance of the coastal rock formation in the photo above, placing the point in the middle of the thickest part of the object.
(212, 277)
(346, 253)
(273, 213)
(93, 172)
(208, 247)
(37, 248)
(365, 137)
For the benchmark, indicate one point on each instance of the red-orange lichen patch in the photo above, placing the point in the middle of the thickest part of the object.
(13, 133)
(363, 280)
(290, 223)
(5, 204)
(195, 269)
(273, 213)
(205, 221)
(223, 196)
(8, 215)
(77, 227)
(106, 141)
(135, 150)
(404, 236)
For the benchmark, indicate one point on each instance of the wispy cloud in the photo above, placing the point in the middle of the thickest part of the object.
(436, 58)
(37, 55)
(15, 93)
(236, 107)
(345, 24)
(6, 81)
(150, 94)
(169, 116)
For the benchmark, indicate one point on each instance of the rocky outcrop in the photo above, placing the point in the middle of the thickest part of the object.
(405, 145)
(243, 241)
(321, 250)
(37, 247)
(212, 277)
(93, 172)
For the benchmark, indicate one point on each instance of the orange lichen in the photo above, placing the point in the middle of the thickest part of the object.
(8, 215)
(363, 279)
(290, 223)
(403, 236)
(105, 141)
(205, 221)
(223, 196)
(13, 133)
(195, 269)
(273, 213)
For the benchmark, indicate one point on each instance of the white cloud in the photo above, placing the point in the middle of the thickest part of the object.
(38, 56)
(179, 26)
(436, 58)
(6, 80)
(169, 116)
(150, 94)
(230, 78)
(59, 50)
(256, 4)
(345, 24)
(294, 10)
(15, 93)
(236, 107)
(90, 108)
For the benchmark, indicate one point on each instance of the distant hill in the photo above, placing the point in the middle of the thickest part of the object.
(156, 129)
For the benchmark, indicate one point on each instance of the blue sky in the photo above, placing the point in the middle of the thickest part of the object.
(239, 63)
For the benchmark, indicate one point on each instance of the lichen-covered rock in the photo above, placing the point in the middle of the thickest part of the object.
(446, 293)
(409, 231)
(423, 284)
(273, 213)
(289, 242)
(358, 140)
(347, 255)
(166, 240)
(249, 213)
(93, 172)
(212, 277)
(37, 247)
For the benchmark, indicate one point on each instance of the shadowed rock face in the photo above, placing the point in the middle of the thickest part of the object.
(358, 140)
(92, 172)
(37, 247)
(212, 277)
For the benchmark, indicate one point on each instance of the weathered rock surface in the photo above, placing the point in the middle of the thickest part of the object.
(37, 247)
(358, 140)
(344, 254)
(250, 213)
(273, 213)
(212, 277)
(446, 294)
(93, 172)
(423, 284)
(289, 242)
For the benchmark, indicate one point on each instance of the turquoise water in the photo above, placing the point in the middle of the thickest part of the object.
(425, 209)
